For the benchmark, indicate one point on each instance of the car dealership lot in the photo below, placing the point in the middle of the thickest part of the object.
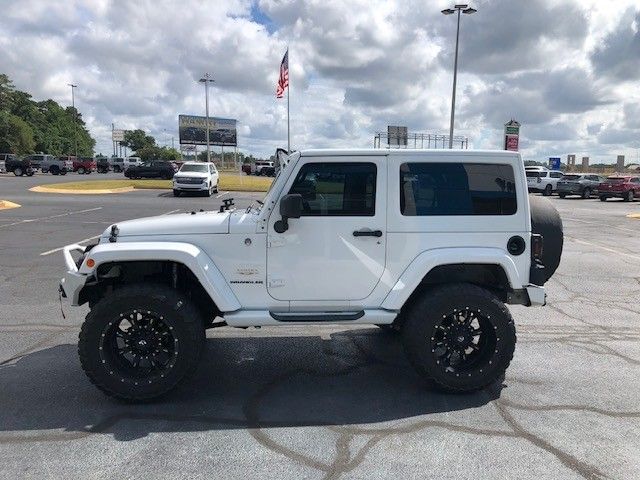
(321, 402)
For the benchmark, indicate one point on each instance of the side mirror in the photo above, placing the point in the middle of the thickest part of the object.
(290, 207)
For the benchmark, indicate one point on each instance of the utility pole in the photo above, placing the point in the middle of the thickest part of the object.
(206, 80)
(460, 8)
(75, 118)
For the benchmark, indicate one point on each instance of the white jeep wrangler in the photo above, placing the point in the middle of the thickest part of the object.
(432, 243)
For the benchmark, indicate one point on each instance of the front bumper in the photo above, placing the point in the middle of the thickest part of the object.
(72, 282)
(190, 187)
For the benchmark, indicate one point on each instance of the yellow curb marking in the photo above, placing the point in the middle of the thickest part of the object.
(41, 189)
(634, 215)
(6, 204)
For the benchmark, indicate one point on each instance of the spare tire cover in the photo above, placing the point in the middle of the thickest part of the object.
(546, 221)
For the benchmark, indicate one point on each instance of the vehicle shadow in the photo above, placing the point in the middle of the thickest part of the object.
(352, 377)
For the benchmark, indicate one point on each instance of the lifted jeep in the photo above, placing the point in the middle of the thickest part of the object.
(431, 243)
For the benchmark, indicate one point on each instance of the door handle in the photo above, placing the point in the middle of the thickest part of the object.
(367, 233)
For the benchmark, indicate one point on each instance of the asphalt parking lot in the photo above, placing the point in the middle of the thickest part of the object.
(321, 402)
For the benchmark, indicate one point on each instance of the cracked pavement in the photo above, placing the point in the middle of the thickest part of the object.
(323, 402)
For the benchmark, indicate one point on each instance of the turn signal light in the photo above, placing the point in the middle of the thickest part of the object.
(537, 247)
(91, 263)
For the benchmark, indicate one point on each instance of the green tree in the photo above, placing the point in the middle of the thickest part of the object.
(136, 140)
(16, 136)
(6, 93)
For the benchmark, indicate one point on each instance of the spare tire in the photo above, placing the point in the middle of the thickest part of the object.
(546, 221)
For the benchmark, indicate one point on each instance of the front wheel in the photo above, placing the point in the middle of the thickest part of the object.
(81, 171)
(141, 341)
(603, 198)
(460, 337)
(562, 195)
(176, 193)
(629, 196)
(586, 193)
(548, 191)
(18, 172)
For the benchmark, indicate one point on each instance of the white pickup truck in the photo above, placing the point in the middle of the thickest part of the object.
(431, 243)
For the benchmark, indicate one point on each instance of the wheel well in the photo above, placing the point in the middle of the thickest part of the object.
(488, 276)
(116, 275)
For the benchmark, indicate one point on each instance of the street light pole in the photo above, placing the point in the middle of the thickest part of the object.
(75, 118)
(461, 8)
(206, 80)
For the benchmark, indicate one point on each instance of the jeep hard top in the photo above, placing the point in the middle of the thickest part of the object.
(430, 243)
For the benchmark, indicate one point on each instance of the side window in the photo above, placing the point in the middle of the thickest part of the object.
(337, 189)
(635, 180)
(556, 174)
(457, 189)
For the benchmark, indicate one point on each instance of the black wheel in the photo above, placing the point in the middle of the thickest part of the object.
(30, 173)
(562, 195)
(18, 172)
(54, 170)
(460, 337)
(44, 170)
(81, 171)
(63, 171)
(603, 198)
(546, 221)
(215, 190)
(628, 196)
(548, 191)
(141, 341)
(586, 193)
(176, 193)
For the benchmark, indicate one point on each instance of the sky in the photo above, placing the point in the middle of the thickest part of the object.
(568, 71)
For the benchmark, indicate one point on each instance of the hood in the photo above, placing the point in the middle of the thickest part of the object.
(176, 224)
(191, 174)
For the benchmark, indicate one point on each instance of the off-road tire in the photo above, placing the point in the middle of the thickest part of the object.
(178, 313)
(546, 221)
(586, 193)
(423, 320)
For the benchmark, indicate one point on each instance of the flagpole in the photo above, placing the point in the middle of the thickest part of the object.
(288, 90)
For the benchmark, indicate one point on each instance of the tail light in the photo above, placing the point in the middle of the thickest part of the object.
(537, 247)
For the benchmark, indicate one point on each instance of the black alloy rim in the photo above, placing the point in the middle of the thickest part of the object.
(464, 341)
(139, 344)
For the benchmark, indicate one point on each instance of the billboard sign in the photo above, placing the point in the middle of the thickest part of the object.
(117, 135)
(193, 130)
(396, 136)
(554, 163)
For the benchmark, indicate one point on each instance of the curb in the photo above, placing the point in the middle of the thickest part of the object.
(41, 189)
(6, 205)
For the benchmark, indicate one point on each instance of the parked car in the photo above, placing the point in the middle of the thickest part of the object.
(196, 177)
(102, 165)
(542, 180)
(151, 169)
(19, 166)
(55, 165)
(84, 165)
(117, 164)
(626, 187)
(130, 162)
(3, 158)
(37, 159)
(583, 184)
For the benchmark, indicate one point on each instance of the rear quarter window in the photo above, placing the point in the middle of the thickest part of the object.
(436, 189)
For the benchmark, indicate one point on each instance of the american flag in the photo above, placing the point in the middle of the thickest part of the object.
(283, 80)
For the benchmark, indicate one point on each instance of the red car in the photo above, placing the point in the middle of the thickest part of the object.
(620, 186)
(84, 165)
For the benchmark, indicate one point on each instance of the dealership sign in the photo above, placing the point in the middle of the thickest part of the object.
(117, 135)
(193, 130)
(511, 135)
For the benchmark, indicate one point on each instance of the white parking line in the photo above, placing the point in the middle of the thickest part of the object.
(611, 250)
(54, 250)
(30, 220)
(222, 194)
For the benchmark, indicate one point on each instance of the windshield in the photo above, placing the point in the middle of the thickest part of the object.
(194, 168)
(571, 177)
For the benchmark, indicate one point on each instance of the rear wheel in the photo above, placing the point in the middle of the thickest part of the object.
(459, 336)
(140, 342)
(629, 196)
(562, 195)
(18, 172)
(54, 170)
(81, 170)
(63, 171)
(603, 198)
(586, 193)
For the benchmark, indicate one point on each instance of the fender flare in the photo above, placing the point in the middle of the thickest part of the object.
(430, 259)
(187, 254)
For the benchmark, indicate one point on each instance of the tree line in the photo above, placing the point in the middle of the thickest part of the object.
(28, 126)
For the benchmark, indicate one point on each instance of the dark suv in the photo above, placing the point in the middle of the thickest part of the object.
(583, 184)
(151, 169)
(19, 166)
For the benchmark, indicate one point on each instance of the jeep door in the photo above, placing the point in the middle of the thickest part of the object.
(335, 251)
